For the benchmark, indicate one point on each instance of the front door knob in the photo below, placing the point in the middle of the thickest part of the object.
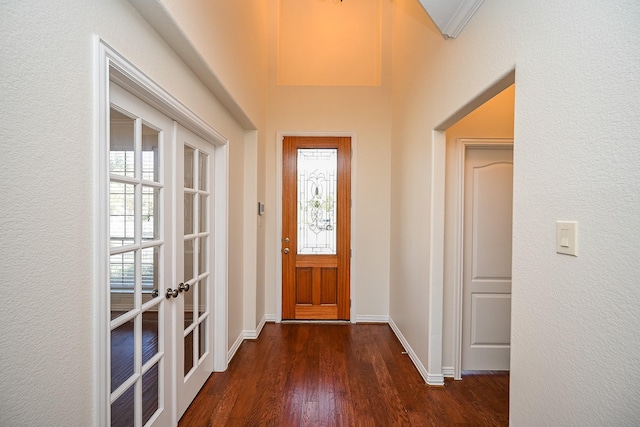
(286, 250)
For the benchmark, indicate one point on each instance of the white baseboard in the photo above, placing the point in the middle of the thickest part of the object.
(372, 318)
(247, 334)
(431, 379)
(235, 347)
(270, 317)
(448, 371)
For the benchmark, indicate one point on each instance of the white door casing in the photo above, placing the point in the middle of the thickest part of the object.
(114, 70)
(486, 257)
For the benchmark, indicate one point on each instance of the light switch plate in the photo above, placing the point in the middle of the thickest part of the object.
(567, 237)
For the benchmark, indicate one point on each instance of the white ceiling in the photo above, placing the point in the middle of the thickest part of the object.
(450, 16)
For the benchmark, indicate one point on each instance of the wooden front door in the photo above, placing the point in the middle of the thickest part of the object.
(316, 232)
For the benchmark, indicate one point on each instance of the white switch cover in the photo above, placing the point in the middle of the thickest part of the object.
(567, 237)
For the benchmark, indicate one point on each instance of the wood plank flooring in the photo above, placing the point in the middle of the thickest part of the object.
(340, 375)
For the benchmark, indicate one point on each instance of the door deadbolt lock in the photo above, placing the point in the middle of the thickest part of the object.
(286, 240)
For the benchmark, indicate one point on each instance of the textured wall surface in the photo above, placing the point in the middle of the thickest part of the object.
(574, 356)
(48, 360)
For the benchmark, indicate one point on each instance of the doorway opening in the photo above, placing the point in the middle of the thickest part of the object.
(477, 236)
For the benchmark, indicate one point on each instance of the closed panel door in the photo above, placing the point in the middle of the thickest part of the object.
(193, 270)
(488, 194)
(139, 200)
(316, 230)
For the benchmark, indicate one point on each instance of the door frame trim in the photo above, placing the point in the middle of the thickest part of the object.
(109, 65)
(458, 241)
(278, 244)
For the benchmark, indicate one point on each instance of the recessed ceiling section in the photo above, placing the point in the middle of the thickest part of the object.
(329, 43)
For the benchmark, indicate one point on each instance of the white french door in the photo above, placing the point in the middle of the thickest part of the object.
(140, 197)
(194, 355)
(160, 216)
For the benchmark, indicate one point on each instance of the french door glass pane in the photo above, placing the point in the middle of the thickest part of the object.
(121, 281)
(188, 308)
(202, 212)
(149, 268)
(317, 171)
(121, 214)
(150, 154)
(149, 335)
(202, 171)
(122, 360)
(202, 255)
(149, 393)
(188, 259)
(122, 137)
(122, 410)
(188, 352)
(150, 201)
(189, 154)
(188, 213)
(202, 295)
(203, 334)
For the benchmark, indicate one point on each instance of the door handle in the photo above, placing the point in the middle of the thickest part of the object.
(184, 287)
(154, 293)
(171, 293)
(286, 251)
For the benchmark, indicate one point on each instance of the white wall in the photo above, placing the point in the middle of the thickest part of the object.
(47, 143)
(574, 347)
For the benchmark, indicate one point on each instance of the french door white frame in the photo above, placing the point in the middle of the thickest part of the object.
(458, 264)
(354, 174)
(113, 67)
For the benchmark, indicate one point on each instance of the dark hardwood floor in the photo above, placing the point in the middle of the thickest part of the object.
(340, 375)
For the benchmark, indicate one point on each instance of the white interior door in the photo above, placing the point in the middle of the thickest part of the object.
(194, 169)
(486, 311)
(140, 354)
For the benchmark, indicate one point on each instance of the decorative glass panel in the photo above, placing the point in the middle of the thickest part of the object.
(317, 197)
(121, 147)
(150, 158)
(150, 204)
